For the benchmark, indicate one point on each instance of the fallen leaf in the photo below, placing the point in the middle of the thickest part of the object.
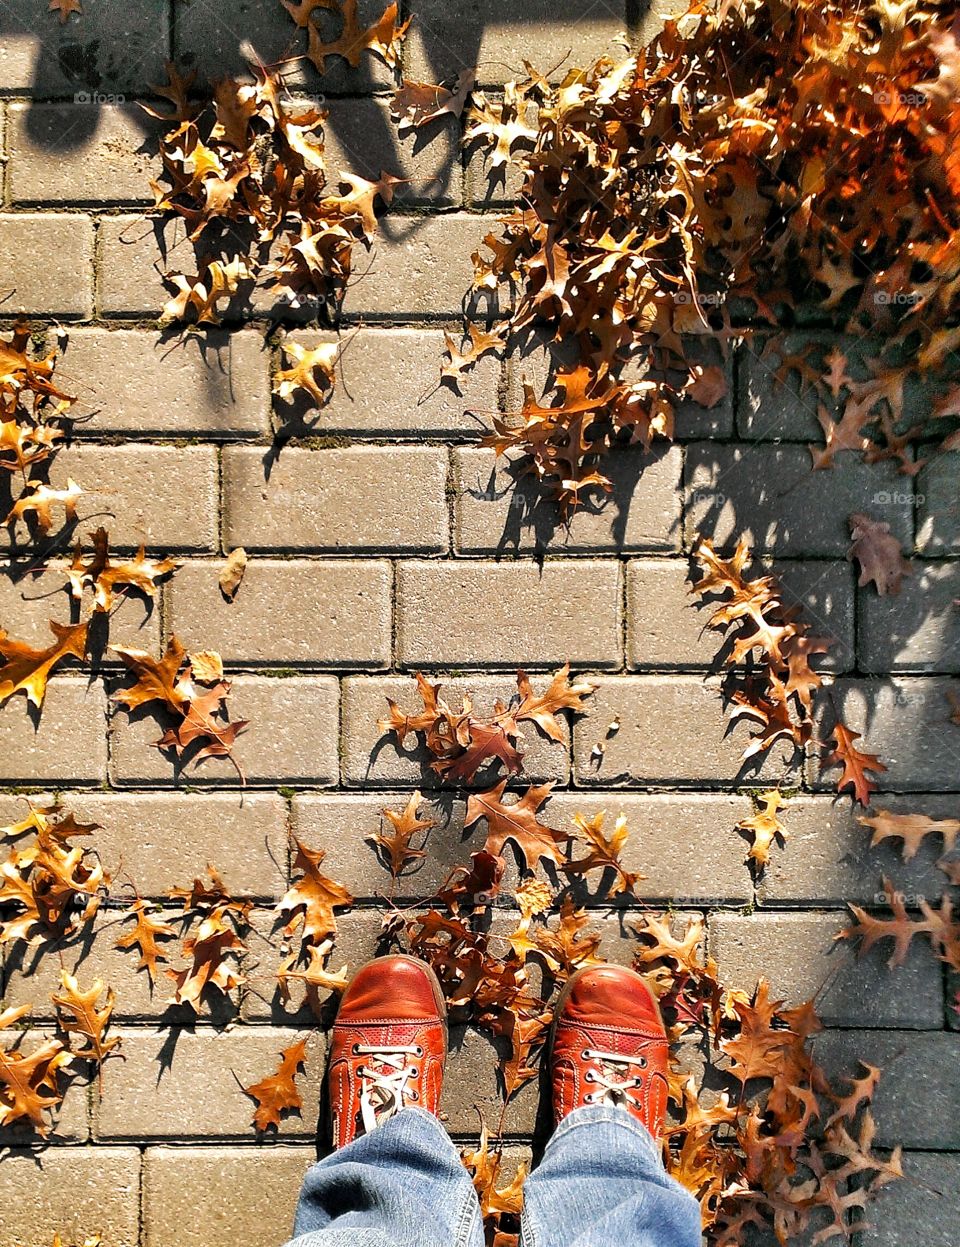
(878, 553)
(27, 670)
(232, 573)
(277, 1094)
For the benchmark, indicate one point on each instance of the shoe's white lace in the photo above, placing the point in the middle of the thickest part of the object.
(383, 1082)
(607, 1071)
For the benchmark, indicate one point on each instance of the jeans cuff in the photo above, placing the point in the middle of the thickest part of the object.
(611, 1114)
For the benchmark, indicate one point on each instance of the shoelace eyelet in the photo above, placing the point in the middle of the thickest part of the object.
(418, 1051)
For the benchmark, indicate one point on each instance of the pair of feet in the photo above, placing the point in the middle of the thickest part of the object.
(389, 1046)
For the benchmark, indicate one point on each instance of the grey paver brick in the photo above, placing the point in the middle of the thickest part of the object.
(499, 508)
(498, 36)
(235, 1188)
(292, 737)
(561, 611)
(58, 157)
(138, 383)
(162, 496)
(322, 613)
(938, 513)
(801, 960)
(923, 1209)
(66, 742)
(903, 719)
(827, 858)
(672, 729)
(767, 409)
(388, 385)
(355, 498)
(770, 497)
(917, 629)
(80, 1191)
(63, 284)
(919, 1068)
(176, 1083)
(372, 759)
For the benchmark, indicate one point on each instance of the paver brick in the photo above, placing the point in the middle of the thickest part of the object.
(193, 1194)
(556, 612)
(177, 1083)
(903, 719)
(389, 385)
(917, 629)
(375, 760)
(672, 729)
(800, 958)
(328, 613)
(134, 254)
(925, 1208)
(919, 1069)
(497, 37)
(162, 496)
(938, 507)
(769, 496)
(138, 383)
(770, 410)
(27, 603)
(79, 1191)
(67, 741)
(63, 284)
(115, 47)
(666, 627)
(78, 153)
(355, 498)
(165, 840)
(827, 857)
(292, 737)
(419, 266)
(361, 138)
(501, 508)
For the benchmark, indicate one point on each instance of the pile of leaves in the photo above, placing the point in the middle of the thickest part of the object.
(760, 152)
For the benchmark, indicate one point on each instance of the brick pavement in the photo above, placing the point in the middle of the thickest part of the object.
(386, 541)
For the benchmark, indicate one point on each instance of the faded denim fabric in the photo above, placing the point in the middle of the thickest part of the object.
(601, 1182)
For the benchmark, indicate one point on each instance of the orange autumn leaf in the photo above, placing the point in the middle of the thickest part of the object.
(27, 670)
(856, 764)
(277, 1094)
(516, 822)
(311, 903)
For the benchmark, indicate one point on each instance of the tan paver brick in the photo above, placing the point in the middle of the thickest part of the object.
(553, 613)
(292, 737)
(388, 385)
(500, 509)
(356, 498)
(372, 759)
(190, 1195)
(67, 742)
(918, 629)
(138, 383)
(180, 1084)
(163, 496)
(63, 284)
(801, 960)
(58, 157)
(132, 260)
(671, 730)
(327, 613)
(78, 1191)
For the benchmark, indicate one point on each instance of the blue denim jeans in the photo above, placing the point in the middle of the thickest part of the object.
(601, 1182)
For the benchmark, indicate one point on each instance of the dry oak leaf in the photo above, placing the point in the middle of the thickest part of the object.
(518, 823)
(29, 1084)
(64, 8)
(215, 941)
(495, 1200)
(216, 281)
(314, 975)
(383, 37)
(765, 825)
(101, 574)
(41, 500)
(605, 852)
(395, 847)
(87, 1021)
(278, 1094)
(757, 1051)
(156, 680)
(306, 364)
(488, 742)
(311, 901)
(27, 670)
(146, 934)
(912, 829)
(855, 764)
(461, 360)
(542, 708)
(231, 573)
(900, 927)
(418, 103)
(878, 553)
(22, 445)
(206, 666)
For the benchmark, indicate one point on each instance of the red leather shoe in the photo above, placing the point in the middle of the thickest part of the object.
(610, 1046)
(388, 1046)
